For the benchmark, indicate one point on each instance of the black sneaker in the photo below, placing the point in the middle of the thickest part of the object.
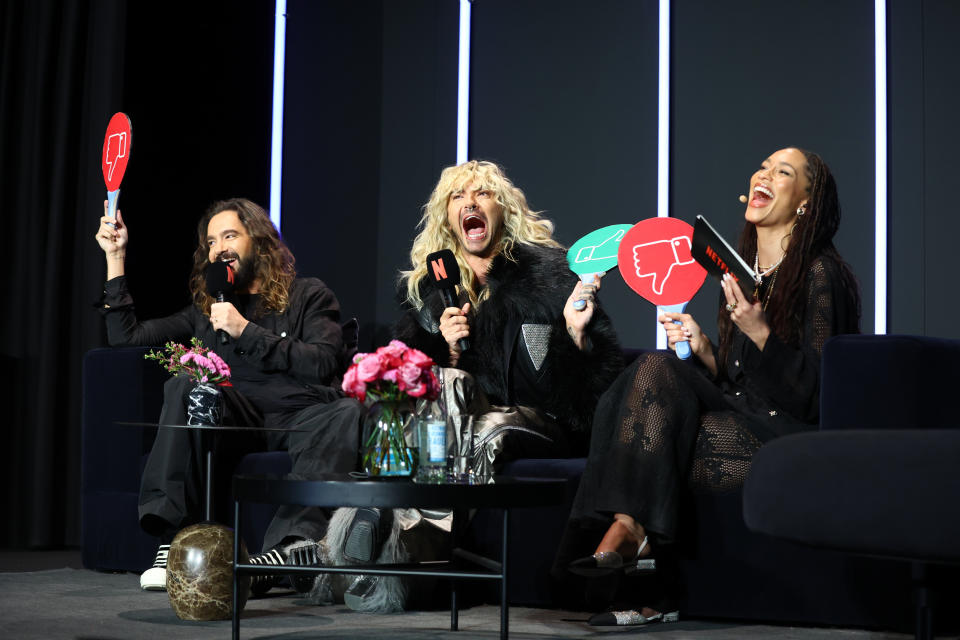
(260, 583)
(305, 553)
(366, 534)
(155, 578)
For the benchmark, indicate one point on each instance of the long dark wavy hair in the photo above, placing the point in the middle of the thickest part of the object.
(810, 238)
(273, 263)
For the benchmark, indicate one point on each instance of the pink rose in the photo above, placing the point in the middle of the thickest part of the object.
(352, 385)
(433, 385)
(368, 369)
(418, 390)
(392, 354)
(396, 348)
(418, 358)
(390, 375)
(409, 374)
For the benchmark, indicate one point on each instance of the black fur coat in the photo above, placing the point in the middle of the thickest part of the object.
(532, 290)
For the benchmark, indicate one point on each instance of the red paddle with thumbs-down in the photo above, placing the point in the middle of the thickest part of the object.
(655, 261)
(116, 154)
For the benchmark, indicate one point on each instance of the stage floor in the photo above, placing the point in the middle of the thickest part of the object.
(46, 595)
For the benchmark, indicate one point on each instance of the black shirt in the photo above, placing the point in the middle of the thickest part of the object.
(281, 362)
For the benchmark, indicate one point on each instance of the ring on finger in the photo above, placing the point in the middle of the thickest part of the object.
(731, 306)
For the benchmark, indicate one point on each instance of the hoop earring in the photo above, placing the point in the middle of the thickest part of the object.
(787, 237)
(800, 211)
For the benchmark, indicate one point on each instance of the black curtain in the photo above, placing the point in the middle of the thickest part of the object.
(60, 73)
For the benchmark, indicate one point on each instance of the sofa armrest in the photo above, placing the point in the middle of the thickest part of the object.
(889, 382)
(118, 386)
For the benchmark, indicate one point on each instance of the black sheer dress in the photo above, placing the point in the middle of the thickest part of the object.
(666, 422)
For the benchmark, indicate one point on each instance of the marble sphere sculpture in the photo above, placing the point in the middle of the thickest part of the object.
(200, 573)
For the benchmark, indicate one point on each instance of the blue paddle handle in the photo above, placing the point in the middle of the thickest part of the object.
(112, 197)
(683, 348)
(585, 278)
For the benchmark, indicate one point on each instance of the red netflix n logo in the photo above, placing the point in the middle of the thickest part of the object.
(439, 270)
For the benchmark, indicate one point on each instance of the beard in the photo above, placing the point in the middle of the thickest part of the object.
(245, 272)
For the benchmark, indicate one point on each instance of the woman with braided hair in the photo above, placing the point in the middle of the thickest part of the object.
(665, 422)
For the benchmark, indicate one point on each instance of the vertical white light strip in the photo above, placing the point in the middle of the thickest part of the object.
(880, 170)
(463, 83)
(663, 131)
(276, 137)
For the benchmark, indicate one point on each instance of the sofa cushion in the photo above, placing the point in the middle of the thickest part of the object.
(877, 492)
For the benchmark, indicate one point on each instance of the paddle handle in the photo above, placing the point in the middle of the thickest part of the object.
(683, 348)
(112, 197)
(585, 278)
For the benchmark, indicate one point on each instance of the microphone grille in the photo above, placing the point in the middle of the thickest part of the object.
(220, 278)
(442, 268)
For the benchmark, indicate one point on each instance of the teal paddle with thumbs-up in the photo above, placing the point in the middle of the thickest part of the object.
(594, 254)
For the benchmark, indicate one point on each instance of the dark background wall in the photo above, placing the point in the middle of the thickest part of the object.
(566, 100)
(563, 94)
(924, 163)
(331, 151)
(749, 79)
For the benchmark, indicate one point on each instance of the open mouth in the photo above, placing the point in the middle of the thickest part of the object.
(230, 259)
(761, 196)
(474, 227)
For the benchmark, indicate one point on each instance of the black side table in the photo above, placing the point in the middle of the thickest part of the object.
(340, 490)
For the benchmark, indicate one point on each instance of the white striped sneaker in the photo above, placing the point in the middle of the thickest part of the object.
(261, 583)
(155, 578)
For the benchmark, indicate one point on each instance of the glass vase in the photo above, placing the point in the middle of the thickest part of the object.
(384, 450)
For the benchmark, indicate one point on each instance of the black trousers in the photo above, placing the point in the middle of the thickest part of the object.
(172, 487)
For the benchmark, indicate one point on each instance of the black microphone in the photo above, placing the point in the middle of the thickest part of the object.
(444, 272)
(220, 283)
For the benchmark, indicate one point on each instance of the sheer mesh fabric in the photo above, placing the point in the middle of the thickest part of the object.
(724, 445)
(823, 311)
(722, 453)
(665, 423)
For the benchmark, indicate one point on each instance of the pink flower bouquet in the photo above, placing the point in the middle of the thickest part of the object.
(197, 362)
(393, 376)
(393, 372)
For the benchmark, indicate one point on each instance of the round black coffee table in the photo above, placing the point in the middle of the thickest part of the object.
(342, 490)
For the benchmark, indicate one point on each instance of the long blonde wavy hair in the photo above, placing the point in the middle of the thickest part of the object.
(520, 225)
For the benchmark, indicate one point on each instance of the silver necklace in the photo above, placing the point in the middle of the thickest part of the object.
(756, 266)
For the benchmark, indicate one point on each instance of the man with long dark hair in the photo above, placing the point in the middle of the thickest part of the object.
(286, 351)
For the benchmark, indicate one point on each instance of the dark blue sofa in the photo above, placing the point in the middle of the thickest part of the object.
(881, 477)
(729, 571)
